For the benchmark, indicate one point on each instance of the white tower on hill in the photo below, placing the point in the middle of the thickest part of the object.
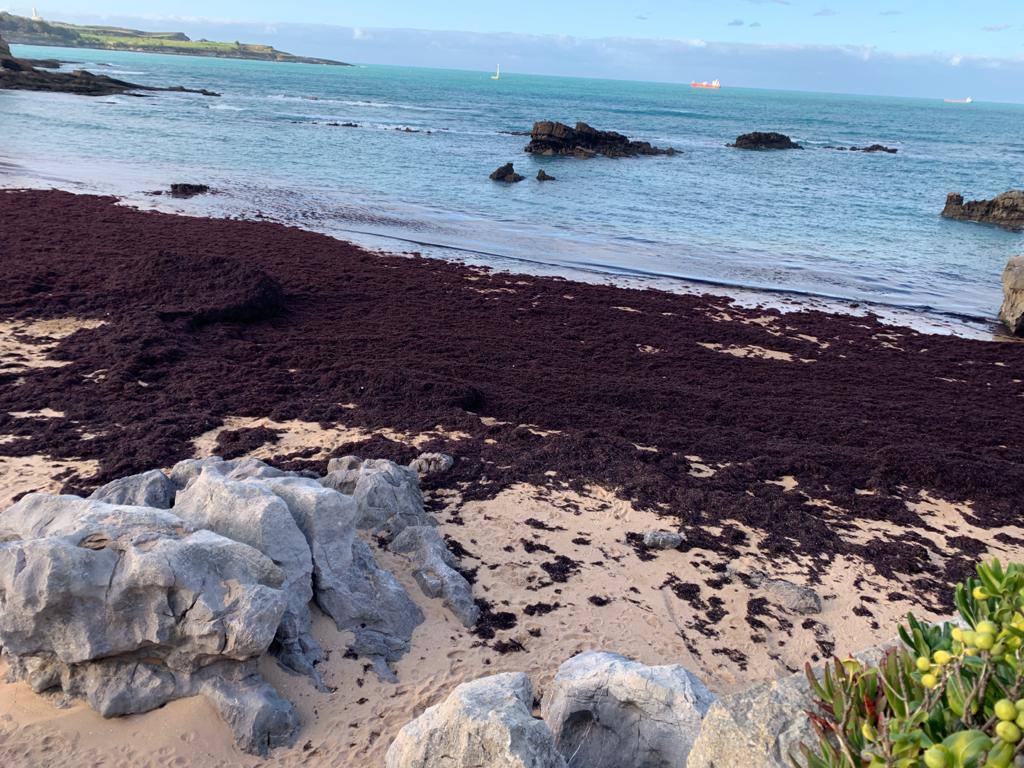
(35, 14)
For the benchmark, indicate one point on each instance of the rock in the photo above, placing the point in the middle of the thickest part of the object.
(188, 190)
(1012, 311)
(662, 540)
(552, 138)
(763, 725)
(603, 704)
(388, 497)
(249, 512)
(542, 175)
(484, 723)
(148, 489)
(873, 148)
(342, 474)
(348, 584)
(759, 140)
(131, 607)
(427, 464)
(507, 174)
(436, 570)
(1005, 210)
(184, 472)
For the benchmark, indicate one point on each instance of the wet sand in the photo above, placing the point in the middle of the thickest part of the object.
(873, 464)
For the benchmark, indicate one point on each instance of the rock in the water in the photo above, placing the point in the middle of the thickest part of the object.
(1005, 210)
(543, 175)
(870, 150)
(249, 512)
(507, 174)
(436, 571)
(131, 607)
(760, 140)
(348, 584)
(552, 138)
(148, 489)
(662, 539)
(1012, 311)
(188, 190)
(486, 723)
(602, 704)
(427, 464)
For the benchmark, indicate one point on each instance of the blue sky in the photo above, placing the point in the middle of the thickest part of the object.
(914, 47)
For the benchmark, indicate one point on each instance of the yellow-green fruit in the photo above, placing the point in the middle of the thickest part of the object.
(942, 658)
(1020, 720)
(985, 641)
(979, 594)
(1005, 710)
(969, 636)
(958, 634)
(1019, 704)
(929, 681)
(1001, 756)
(970, 651)
(868, 732)
(986, 627)
(1008, 732)
(923, 665)
(938, 757)
(999, 649)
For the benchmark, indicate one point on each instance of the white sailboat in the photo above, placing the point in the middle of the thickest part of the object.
(497, 73)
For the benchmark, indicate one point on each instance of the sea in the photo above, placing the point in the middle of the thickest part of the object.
(413, 174)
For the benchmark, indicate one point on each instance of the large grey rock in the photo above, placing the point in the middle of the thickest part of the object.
(607, 710)
(148, 489)
(249, 512)
(483, 724)
(1012, 310)
(387, 495)
(764, 725)
(348, 584)
(1005, 210)
(436, 571)
(132, 607)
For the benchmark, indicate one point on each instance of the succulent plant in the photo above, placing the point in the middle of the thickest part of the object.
(951, 696)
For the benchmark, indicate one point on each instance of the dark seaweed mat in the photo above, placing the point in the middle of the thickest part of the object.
(255, 319)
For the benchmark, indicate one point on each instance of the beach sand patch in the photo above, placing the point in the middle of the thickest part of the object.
(23, 474)
(26, 344)
(753, 351)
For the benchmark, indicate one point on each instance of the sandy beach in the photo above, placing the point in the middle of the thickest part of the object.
(796, 453)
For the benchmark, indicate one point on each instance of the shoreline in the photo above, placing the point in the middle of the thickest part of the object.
(869, 463)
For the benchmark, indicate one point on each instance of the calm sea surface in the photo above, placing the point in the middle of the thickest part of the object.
(827, 223)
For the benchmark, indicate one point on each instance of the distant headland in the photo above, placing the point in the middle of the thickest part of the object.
(36, 31)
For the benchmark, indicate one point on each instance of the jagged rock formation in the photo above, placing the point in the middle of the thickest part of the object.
(1005, 210)
(1012, 311)
(760, 140)
(553, 138)
(486, 722)
(603, 704)
(543, 175)
(506, 173)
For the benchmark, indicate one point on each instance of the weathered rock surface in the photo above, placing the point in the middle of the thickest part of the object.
(506, 173)
(543, 175)
(387, 496)
(188, 190)
(870, 150)
(427, 464)
(761, 140)
(249, 512)
(1005, 210)
(793, 597)
(662, 539)
(436, 570)
(147, 489)
(553, 138)
(131, 607)
(1012, 311)
(605, 709)
(484, 723)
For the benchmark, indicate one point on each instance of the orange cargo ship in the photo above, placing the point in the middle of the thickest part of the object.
(715, 84)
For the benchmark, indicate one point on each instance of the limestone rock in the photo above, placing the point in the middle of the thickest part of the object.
(387, 496)
(436, 571)
(662, 539)
(761, 140)
(603, 704)
(131, 607)
(427, 464)
(507, 174)
(148, 489)
(484, 723)
(1012, 311)
(1005, 210)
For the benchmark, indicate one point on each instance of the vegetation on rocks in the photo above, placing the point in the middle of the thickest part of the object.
(951, 696)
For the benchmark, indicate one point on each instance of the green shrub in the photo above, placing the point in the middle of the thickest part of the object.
(951, 696)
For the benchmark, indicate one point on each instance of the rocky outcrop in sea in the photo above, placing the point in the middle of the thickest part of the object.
(1012, 310)
(1005, 210)
(761, 140)
(552, 138)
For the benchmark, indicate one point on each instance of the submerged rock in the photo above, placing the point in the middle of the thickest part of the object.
(761, 140)
(1005, 210)
(870, 150)
(603, 704)
(486, 722)
(507, 174)
(1012, 311)
(131, 607)
(188, 190)
(553, 138)
(542, 175)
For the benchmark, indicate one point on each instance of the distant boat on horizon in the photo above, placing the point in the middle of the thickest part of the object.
(968, 100)
(713, 85)
(497, 73)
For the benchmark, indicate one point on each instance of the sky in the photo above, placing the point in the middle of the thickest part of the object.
(899, 47)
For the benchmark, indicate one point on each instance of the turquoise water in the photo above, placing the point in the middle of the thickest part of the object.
(836, 224)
